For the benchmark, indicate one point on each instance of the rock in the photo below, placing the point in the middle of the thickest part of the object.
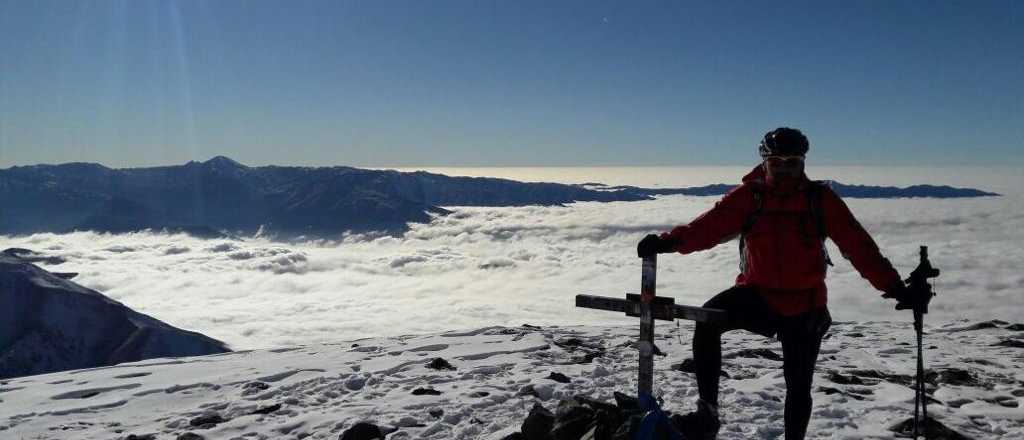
(861, 391)
(528, 390)
(626, 402)
(1018, 392)
(409, 422)
(440, 364)
(478, 394)
(569, 342)
(600, 371)
(954, 376)
(1005, 401)
(191, 436)
(206, 421)
(831, 390)
(544, 391)
(355, 382)
(254, 387)
(983, 361)
(901, 379)
(587, 358)
(933, 430)
(836, 377)
(596, 405)
(559, 377)
(538, 424)
(141, 437)
(1012, 343)
(425, 392)
(607, 422)
(688, 366)
(365, 431)
(995, 323)
(855, 335)
(583, 352)
(267, 409)
(762, 353)
(956, 403)
(52, 324)
(572, 420)
(435, 412)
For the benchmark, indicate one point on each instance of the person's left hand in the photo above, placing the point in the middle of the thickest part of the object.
(905, 298)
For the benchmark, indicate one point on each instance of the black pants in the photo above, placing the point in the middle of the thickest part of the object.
(800, 336)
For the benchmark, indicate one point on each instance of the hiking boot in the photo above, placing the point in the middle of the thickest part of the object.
(701, 424)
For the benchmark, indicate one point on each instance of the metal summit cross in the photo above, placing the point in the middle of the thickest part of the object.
(649, 307)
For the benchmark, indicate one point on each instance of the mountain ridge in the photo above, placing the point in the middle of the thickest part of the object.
(223, 196)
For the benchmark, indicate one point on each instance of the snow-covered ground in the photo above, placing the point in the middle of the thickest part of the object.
(318, 391)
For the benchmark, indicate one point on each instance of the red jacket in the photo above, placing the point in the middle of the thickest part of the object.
(784, 254)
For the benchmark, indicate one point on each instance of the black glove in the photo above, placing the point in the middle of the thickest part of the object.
(905, 298)
(653, 244)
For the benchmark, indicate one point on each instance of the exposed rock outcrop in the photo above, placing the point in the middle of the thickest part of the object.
(48, 323)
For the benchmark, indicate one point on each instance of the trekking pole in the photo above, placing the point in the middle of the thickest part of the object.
(919, 391)
(922, 293)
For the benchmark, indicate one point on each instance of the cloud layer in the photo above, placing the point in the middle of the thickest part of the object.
(509, 266)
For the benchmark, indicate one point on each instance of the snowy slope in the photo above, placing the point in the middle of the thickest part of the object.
(318, 391)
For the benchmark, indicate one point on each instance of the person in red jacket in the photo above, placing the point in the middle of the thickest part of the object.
(781, 218)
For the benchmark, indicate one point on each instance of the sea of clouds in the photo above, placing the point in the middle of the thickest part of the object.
(509, 266)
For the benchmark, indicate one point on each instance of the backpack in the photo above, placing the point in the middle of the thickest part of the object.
(813, 202)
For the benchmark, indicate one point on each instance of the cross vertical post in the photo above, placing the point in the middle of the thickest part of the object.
(648, 279)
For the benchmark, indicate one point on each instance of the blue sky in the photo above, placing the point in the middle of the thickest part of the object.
(519, 83)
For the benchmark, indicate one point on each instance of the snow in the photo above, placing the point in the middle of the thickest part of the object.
(323, 389)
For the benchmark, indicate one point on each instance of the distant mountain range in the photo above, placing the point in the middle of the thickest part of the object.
(846, 191)
(223, 196)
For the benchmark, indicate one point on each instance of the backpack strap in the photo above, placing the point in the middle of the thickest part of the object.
(814, 203)
(747, 225)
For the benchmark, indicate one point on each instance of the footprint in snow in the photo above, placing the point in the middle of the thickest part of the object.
(131, 375)
(895, 351)
(286, 374)
(92, 392)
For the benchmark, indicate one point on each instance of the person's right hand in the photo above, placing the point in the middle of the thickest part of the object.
(653, 245)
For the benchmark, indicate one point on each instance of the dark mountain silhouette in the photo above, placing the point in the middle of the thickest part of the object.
(222, 196)
(846, 191)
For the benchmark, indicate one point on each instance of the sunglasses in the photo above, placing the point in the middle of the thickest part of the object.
(785, 160)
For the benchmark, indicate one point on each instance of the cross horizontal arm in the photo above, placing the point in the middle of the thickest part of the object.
(663, 310)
